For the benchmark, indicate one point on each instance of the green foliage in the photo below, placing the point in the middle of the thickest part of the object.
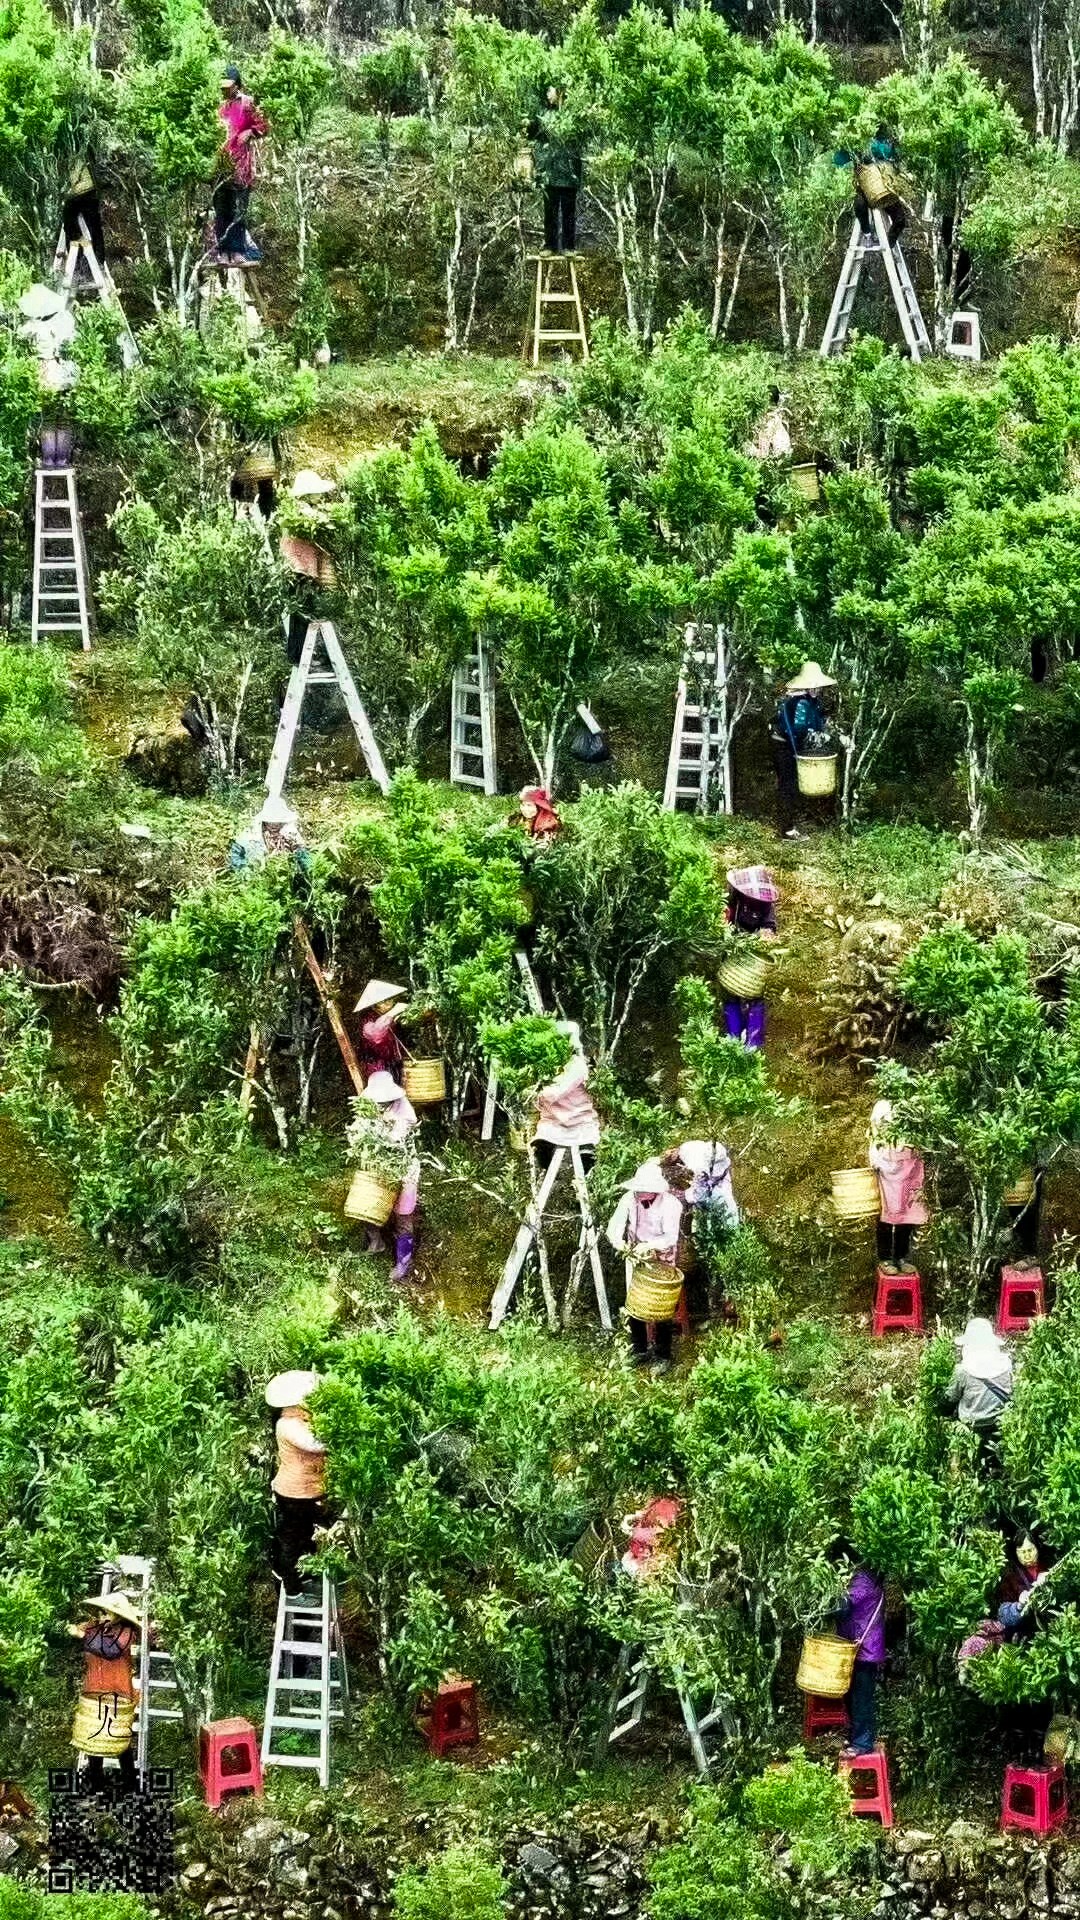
(463, 1883)
(721, 1080)
(623, 885)
(529, 1052)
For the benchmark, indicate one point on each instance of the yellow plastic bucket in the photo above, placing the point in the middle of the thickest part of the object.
(816, 773)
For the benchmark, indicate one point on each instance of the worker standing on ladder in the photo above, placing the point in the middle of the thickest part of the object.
(558, 166)
(877, 186)
(243, 125)
(299, 1485)
(565, 1114)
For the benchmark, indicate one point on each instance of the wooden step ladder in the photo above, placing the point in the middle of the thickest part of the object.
(545, 294)
(326, 669)
(634, 1677)
(699, 764)
(158, 1690)
(472, 723)
(308, 1630)
(66, 265)
(531, 1233)
(60, 601)
(861, 247)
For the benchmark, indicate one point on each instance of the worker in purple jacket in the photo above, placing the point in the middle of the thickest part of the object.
(862, 1619)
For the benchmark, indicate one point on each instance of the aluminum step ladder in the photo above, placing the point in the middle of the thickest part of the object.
(473, 760)
(531, 1233)
(861, 247)
(217, 282)
(308, 1631)
(535, 1004)
(325, 668)
(60, 601)
(66, 264)
(697, 770)
(158, 1689)
(545, 294)
(630, 1690)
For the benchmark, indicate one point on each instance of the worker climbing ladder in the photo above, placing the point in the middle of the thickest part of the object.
(699, 763)
(535, 1004)
(60, 599)
(324, 668)
(472, 723)
(307, 1636)
(158, 1690)
(634, 1675)
(544, 295)
(66, 261)
(905, 299)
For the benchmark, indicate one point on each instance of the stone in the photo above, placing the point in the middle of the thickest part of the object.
(8, 1846)
(256, 1841)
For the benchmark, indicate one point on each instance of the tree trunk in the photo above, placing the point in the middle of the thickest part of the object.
(453, 267)
(782, 299)
(301, 218)
(1037, 45)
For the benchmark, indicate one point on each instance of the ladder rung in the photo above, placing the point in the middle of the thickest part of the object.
(560, 333)
(293, 1759)
(468, 779)
(296, 1722)
(59, 626)
(565, 299)
(312, 1648)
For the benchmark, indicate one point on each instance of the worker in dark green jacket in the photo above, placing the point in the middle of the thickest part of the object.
(558, 168)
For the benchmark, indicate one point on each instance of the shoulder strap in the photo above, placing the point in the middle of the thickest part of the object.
(872, 1622)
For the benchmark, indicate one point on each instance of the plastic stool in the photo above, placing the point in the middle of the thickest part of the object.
(452, 1716)
(232, 1742)
(823, 1716)
(681, 1318)
(879, 1799)
(1022, 1299)
(898, 1303)
(1034, 1799)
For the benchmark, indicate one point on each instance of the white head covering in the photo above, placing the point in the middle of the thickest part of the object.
(572, 1030)
(981, 1352)
(308, 485)
(649, 1178)
(376, 992)
(705, 1156)
(383, 1088)
(291, 1389)
(881, 1115)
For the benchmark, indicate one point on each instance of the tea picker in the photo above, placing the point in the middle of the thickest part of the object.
(646, 1227)
(380, 1044)
(392, 1125)
(242, 126)
(299, 1484)
(567, 1125)
(880, 218)
(751, 912)
(104, 1723)
(901, 1178)
(800, 730)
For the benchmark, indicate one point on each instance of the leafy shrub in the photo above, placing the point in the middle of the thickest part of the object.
(461, 1884)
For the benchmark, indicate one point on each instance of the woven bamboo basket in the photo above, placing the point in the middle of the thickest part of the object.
(259, 465)
(826, 1666)
(653, 1293)
(856, 1194)
(816, 773)
(745, 977)
(369, 1199)
(1021, 1191)
(425, 1081)
(327, 571)
(804, 479)
(519, 1140)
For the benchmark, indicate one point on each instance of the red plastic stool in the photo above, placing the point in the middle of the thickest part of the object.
(451, 1715)
(681, 1317)
(1034, 1799)
(823, 1716)
(1022, 1299)
(898, 1303)
(228, 1759)
(878, 1800)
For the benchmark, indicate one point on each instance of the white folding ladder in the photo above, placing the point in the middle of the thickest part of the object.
(472, 723)
(308, 1629)
(311, 671)
(60, 600)
(66, 264)
(626, 1708)
(535, 1004)
(158, 1689)
(531, 1232)
(905, 299)
(232, 283)
(544, 294)
(697, 767)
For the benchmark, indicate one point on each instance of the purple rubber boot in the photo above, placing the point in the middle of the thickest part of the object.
(755, 1024)
(404, 1248)
(733, 1019)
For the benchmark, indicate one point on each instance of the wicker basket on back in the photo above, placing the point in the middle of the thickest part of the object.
(369, 1199)
(744, 976)
(856, 1194)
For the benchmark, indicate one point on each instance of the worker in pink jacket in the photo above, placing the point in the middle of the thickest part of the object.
(565, 1115)
(901, 1178)
(646, 1227)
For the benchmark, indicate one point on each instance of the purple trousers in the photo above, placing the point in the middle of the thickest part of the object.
(745, 1021)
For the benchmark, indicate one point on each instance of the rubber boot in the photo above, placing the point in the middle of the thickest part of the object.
(404, 1247)
(376, 1240)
